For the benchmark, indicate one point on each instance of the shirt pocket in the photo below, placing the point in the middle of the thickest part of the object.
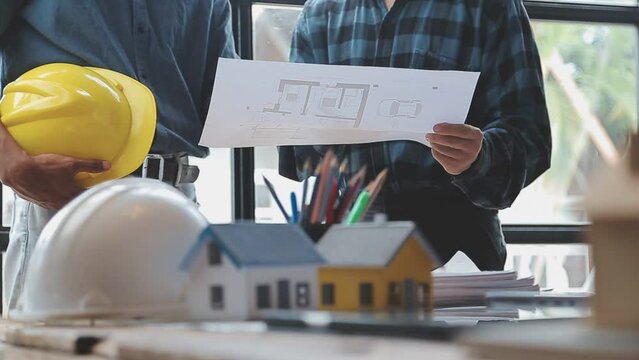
(428, 60)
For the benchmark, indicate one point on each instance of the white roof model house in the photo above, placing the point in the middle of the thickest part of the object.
(241, 269)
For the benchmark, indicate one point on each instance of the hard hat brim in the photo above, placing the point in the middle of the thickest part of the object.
(143, 123)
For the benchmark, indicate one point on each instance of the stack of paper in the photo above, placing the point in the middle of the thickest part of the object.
(468, 289)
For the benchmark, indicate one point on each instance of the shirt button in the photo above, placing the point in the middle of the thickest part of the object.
(141, 29)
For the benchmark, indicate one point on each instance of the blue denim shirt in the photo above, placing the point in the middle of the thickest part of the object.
(170, 46)
(493, 37)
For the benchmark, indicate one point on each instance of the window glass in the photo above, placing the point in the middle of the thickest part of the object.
(394, 294)
(283, 294)
(423, 296)
(217, 297)
(328, 294)
(590, 75)
(366, 294)
(215, 256)
(302, 295)
(559, 267)
(214, 188)
(263, 296)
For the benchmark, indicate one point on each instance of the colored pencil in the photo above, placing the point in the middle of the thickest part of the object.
(330, 207)
(351, 193)
(358, 209)
(271, 189)
(324, 178)
(329, 187)
(375, 187)
(295, 214)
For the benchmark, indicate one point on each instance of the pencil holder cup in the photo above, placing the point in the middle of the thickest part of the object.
(315, 231)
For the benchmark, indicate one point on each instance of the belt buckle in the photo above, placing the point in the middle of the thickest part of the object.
(145, 165)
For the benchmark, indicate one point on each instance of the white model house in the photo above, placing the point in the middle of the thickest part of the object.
(247, 268)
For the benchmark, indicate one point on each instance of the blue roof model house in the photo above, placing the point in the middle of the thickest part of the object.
(241, 269)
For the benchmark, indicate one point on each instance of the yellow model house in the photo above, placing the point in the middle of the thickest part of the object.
(377, 267)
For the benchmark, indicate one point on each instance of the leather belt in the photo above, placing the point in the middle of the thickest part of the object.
(173, 169)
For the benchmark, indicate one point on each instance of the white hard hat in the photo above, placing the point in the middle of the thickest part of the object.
(114, 251)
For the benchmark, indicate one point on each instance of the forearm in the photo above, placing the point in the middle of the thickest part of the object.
(514, 153)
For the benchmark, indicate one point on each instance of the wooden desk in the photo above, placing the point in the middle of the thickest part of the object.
(208, 341)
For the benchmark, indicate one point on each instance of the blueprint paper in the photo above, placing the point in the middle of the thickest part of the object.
(262, 103)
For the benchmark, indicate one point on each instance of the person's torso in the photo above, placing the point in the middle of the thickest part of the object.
(418, 34)
(161, 43)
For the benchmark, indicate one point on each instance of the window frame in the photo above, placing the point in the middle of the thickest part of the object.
(244, 159)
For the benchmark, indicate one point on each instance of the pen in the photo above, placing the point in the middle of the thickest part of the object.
(295, 214)
(271, 189)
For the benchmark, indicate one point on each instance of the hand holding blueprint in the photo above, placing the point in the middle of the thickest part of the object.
(259, 103)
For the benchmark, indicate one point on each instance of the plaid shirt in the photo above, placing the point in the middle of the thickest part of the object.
(493, 37)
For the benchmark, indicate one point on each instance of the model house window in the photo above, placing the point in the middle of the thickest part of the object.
(423, 295)
(215, 256)
(394, 294)
(302, 295)
(366, 294)
(263, 296)
(283, 294)
(217, 297)
(328, 294)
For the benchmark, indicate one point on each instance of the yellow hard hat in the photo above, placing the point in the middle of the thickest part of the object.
(82, 112)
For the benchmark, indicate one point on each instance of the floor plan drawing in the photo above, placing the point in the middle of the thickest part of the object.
(267, 103)
(341, 101)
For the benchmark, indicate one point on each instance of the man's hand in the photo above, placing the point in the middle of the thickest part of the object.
(48, 179)
(455, 146)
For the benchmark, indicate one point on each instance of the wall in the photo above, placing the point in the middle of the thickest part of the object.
(270, 276)
(203, 276)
